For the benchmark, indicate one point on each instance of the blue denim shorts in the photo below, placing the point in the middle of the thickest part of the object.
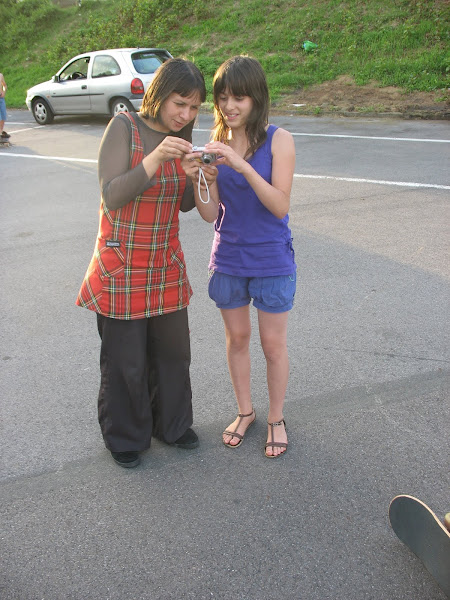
(270, 294)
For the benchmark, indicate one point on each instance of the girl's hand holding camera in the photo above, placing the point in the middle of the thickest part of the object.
(192, 163)
(227, 156)
(173, 147)
(169, 149)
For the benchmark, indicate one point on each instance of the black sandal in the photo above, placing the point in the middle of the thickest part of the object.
(238, 435)
(273, 444)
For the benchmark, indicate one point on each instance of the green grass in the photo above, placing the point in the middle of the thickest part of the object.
(402, 43)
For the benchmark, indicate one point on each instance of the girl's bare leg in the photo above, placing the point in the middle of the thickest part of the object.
(273, 334)
(237, 333)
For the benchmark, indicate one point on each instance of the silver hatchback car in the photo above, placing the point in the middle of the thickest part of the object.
(104, 82)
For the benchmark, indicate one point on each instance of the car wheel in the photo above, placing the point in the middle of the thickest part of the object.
(121, 105)
(42, 112)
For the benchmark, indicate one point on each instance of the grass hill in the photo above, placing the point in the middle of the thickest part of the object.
(376, 43)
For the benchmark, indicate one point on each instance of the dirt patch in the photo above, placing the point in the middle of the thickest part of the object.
(344, 97)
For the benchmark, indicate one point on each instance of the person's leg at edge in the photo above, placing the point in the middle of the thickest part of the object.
(273, 335)
(237, 333)
(2, 117)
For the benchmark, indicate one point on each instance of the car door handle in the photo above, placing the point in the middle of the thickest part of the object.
(84, 87)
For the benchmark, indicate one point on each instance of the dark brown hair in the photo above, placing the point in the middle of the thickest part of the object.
(242, 76)
(177, 76)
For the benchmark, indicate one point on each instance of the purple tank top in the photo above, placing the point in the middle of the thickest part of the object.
(249, 241)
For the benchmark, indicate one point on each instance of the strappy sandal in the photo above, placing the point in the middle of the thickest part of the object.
(273, 444)
(238, 435)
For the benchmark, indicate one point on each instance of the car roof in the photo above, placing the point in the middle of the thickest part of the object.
(137, 49)
(115, 50)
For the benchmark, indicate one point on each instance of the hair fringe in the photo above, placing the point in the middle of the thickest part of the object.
(242, 76)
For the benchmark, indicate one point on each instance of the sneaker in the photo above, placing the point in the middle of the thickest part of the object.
(187, 441)
(5, 135)
(128, 460)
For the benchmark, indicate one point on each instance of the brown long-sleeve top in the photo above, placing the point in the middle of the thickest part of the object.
(119, 183)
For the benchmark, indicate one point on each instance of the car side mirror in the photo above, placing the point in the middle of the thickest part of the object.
(55, 79)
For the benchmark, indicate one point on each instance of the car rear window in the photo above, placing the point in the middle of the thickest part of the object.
(146, 62)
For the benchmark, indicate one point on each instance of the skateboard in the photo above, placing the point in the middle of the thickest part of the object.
(5, 143)
(418, 527)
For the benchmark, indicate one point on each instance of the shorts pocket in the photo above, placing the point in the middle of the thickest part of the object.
(228, 291)
(219, 288)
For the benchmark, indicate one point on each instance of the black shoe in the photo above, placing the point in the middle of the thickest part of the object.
(187, 441)
(128, 460)
(5, 135)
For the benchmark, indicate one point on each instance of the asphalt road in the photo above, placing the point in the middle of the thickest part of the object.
(367, 407)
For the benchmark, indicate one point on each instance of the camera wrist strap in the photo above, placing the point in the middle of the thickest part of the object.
(200, 175)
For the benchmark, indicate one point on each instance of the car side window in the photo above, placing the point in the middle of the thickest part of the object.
(105, 66)
(76, 70)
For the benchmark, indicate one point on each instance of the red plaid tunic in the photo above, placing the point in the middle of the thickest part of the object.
(138, 269)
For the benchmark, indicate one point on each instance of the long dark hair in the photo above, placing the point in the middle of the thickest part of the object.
(177, 76)
(242, 76)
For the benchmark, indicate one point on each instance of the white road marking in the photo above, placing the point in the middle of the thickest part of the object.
(64, 158)
(361, 137)
(374, 137)
(376, 181)
(296, 175)
(26, 129)
(330, 135)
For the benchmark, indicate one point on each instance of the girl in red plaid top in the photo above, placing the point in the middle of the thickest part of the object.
(136, 281)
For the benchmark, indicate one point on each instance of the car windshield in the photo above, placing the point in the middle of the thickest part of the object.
(146, 62)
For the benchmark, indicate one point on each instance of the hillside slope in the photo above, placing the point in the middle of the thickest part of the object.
(375, 56)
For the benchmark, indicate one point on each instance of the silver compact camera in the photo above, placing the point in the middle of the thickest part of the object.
(207, 157)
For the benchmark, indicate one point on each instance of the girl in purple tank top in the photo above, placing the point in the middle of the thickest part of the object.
(252, 256)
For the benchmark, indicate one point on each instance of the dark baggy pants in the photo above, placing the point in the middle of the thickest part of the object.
(145, 387)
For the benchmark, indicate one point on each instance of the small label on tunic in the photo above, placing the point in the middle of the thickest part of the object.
(113, 243)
